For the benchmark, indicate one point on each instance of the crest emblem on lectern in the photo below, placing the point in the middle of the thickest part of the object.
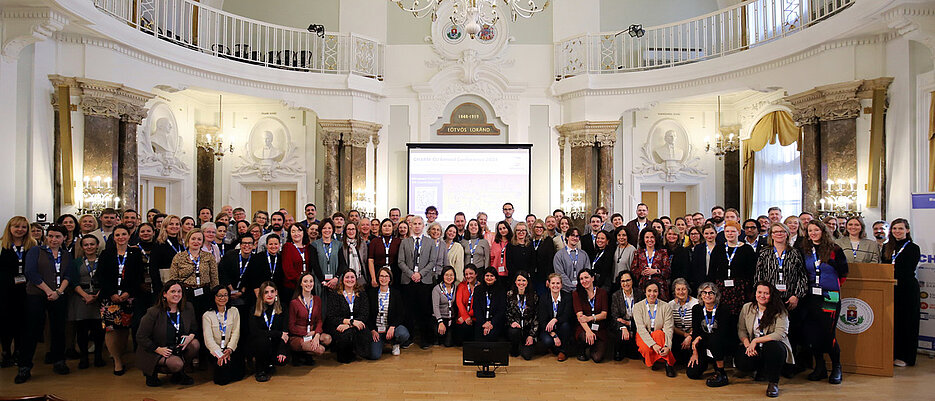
(856, 316)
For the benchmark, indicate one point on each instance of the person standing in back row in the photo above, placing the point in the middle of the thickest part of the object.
(417, 257)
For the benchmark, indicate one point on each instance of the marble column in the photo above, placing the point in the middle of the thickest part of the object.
(561, 168)
(350, 153)
(128, 178)
(591, 162)
(204, 169)
(330, 140)
(827, 115)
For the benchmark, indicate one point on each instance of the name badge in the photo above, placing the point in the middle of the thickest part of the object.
(20, 279)
(816, 291)
(595, 326)
(329, 276)
(708, 352)
(307, 338)
(728, 283)
(574, 282)
(235, 291)
(781, 287)
(501, 269)
(199, 292)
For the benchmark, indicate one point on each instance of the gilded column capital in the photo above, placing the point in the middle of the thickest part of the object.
(833, 102)
(103, 98)
(354, 133)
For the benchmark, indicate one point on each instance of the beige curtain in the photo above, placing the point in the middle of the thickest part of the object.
(932, 143)
(774, 126)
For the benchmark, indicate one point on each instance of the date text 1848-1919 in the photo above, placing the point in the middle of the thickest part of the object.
(468, 119)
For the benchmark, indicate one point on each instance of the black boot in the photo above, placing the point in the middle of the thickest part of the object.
(22, 375)
(719, 379)
(618, 355)
(153, 381)
(836, 374)
(820, 372)
(670, 370)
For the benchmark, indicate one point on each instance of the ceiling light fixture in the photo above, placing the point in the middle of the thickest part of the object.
(472, 14)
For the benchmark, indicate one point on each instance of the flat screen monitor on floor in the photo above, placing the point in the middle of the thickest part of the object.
(470, 179)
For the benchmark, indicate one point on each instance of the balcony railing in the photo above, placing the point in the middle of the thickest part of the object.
(727, 31)
(189, 24)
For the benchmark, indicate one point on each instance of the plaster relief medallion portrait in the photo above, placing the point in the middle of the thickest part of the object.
(159, 143)
(668, 152)
(269, 151)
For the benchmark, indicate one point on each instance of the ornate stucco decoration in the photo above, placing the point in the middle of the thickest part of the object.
(160, 147)
(269, 152)
(668, 153)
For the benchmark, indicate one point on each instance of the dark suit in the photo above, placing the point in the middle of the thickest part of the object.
(418, 295)
(633, 232)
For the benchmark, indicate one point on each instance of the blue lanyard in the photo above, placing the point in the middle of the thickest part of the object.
(177, 323)
(896, 255)
(470, 290)
(596, 258)
(652, 313)
(221, 250)
(521, 303)
(592, 300)
(474, 246)
(383, 302)
(574, 262)
(730, 256)
(308, 326)
(387, 242)
(328, 253)
(269, 320)
(222, 325)
(780, 258)
(58, 263)
(555, 306)
(649, 259)
(241, 264)
(91, 269)
(272, 264)
(817, 267)
(350, 301)
(19, 252)
(628, 302)
(174, 248)
(709, 322)
(448, 294)
(535, 244)
(682, 312)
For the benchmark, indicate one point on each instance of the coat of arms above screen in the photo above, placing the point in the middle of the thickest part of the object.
(450, 39)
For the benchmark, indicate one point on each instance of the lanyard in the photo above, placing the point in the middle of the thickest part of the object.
(555, 303)
(387, 241)
(301, 253)
(470, 290)
(628, 302)
(418, 247)
(649, 259)
(58, 268)
(177, 323)
(592, 300)
(19, 252)
(535, 244)
(596, 258)
(197, 263)
(682, 312)
(350, 302)
(730, 257)
(652, 313)
(710, 322)
(269, 320)
(448, 294)
(383, 300)
(328, 253)
(241, 265)
(640, 227)
(708, 250)
(308, 326)
(521, 302)
(573, 253)
(174, 248)
(222, 326)
(488, 305)
(272, 264)
(473, 246)
(896, 255)
(503, 253)
(91, 268)
(221, 250)
(817, 267)
(780, 259)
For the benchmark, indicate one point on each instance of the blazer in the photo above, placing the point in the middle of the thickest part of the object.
(520, 257)
(454, 257)
(618, 309)
(211, 330)
(779, 331)
(337, 309)
(464, 301)
(395, 313)
(544, 252)
(528, 317)
(132, 279)
(298, 316)
(564, 314)
(229, 269)
(258, 271)
(293, 264)
(868, 251)
(603, 266)
(330, 264)
(568, 267)
(720, 329)
(480, 256)
(153, 334)
(664, 321)
(497, 308)
(273, 334)
(679, 262)
(41, 268)
(498, 257)
(700, 270)
(428, 255)
(633, 231)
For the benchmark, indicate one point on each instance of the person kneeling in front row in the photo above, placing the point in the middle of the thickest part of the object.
(166, 338)
(654, 326)
(763, 330)
(385, 322)
(305, 323)
(268, 329)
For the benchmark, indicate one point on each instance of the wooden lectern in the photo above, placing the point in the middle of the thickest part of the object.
(867, 349)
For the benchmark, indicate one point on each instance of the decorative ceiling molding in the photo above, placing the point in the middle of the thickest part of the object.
(23, 26)
(589, 133)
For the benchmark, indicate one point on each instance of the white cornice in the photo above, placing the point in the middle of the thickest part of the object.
(23, 26)
(673, 86)
(72, 38)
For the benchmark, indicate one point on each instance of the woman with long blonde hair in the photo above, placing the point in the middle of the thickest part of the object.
(13, 246)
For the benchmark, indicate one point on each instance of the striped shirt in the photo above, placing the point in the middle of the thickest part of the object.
(682, 315)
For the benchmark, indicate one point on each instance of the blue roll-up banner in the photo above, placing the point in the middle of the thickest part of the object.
(923, 234)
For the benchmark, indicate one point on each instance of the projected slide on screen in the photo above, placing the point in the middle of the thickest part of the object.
(470, 180)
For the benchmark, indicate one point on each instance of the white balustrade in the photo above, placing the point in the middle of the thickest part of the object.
(211, 31)
(726, 31)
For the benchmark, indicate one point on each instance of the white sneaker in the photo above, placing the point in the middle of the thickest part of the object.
(396, 350)
(899, 363)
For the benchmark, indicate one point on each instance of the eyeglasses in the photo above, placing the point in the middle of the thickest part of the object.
(520, 230)
(221, 296)
(707, 292)
(507, 209)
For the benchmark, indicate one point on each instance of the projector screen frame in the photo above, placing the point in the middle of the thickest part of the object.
(418, 145)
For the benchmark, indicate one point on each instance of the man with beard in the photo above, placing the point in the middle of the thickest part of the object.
(131, 219)
(205, 215)
(698, 219)
(730, 214)
(764, 223)
(635, 227)
(508, 215)
(310, 212)
(353, 216)
(880, 230)
(338, 219)
(277, 221)
(460, 222)
(717, 217)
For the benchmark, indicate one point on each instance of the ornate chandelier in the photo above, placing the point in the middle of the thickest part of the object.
(472, 14)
